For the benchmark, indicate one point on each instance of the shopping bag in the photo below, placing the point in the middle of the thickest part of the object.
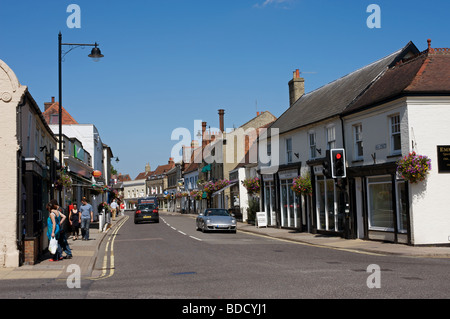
(53, 245)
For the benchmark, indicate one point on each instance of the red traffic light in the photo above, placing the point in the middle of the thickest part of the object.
(338, 156)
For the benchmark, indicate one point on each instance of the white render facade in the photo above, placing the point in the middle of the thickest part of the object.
(403, 108)
(27, 172)
(89, 136)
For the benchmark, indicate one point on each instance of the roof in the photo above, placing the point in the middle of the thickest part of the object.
(54, 109)
(331, 99)
(143, 175)
(161, 169)
(425, 73)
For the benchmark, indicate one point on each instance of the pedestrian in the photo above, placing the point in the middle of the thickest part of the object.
(75, 220)
(62, 240)
(87, 217)
(122, 208)
(53, 228)
(114, 209)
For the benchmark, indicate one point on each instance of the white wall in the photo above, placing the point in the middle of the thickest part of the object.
(10, 96)
(376, 137)
(430, 212)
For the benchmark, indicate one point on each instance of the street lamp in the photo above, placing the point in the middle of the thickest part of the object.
(96, 55)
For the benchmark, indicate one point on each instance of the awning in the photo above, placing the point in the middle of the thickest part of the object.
(221, 190)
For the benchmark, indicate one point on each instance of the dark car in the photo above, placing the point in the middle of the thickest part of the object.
(146, 213)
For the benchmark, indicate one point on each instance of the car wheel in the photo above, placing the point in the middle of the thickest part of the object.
(204, 228)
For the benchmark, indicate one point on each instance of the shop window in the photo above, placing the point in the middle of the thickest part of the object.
(269, 202)
(327, 202)
(402, 207)
(381, 213)
(289, 209)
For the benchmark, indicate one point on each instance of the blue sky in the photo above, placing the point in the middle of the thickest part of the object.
(170, 62)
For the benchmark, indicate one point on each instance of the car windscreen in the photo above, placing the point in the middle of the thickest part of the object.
(147, 206)
(218, 212)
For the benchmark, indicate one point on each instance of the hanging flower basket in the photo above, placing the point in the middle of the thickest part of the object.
(197, 195)
(64, 180)
(414, 168)
(211, 187)
(302, 185)
(252, 185)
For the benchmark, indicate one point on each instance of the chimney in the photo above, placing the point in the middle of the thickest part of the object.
(147, 168)
(203, 134)
(221, 114)
(296, 88)
(48, 104)
(171, 160)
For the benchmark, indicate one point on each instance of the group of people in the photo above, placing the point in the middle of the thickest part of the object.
(78, 218)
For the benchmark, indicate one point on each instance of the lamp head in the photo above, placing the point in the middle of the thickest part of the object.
(96, 54)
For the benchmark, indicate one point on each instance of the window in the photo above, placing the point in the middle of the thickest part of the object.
(402, 206)
(358, 145)
(312, 144)
(289, 150)
(328, 214)
(381, 212)
(288, 204)
(396, 146)
(54, 118)
(331, 137)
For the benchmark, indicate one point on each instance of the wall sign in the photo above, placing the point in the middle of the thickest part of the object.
(443, 155)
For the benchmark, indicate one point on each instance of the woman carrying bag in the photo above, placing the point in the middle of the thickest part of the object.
(53, 231)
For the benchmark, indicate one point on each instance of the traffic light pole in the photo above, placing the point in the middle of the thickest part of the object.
(334, 167)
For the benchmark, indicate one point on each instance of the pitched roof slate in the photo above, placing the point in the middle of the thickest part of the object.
(331, 99)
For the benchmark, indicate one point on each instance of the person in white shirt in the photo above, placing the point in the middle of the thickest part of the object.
(114, 206)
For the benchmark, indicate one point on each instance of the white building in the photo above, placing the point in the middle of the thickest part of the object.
(27, 171)
(378, 113)
(89, 136)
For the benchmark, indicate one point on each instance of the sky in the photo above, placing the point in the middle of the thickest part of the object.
(170, 62)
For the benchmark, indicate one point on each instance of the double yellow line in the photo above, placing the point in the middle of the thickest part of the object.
(110, 246)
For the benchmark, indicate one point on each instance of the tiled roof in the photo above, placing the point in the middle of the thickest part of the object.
(143, 175)
(330, 100)
(54, 109)
(161, 169)
(428, 72)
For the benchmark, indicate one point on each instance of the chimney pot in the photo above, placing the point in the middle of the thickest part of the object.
(221, 114)
(296, 88)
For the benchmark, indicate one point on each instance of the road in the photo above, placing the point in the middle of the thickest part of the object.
(172, 260)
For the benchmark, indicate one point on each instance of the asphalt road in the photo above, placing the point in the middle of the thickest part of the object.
(172, 260)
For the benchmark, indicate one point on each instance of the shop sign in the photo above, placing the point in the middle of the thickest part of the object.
(443, 155)
(261, 219)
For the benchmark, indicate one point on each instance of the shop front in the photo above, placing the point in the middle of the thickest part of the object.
(381, 200)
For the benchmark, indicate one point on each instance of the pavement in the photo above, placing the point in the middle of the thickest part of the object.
(85, 252)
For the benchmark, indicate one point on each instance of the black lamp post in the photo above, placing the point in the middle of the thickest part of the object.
(96, 55)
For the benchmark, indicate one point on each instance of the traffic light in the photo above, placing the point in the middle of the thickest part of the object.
(338, 163)
(326, 165)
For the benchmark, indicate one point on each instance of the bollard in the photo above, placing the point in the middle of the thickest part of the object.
(101, 220)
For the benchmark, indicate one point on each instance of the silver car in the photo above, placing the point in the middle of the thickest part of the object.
(216, 219)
